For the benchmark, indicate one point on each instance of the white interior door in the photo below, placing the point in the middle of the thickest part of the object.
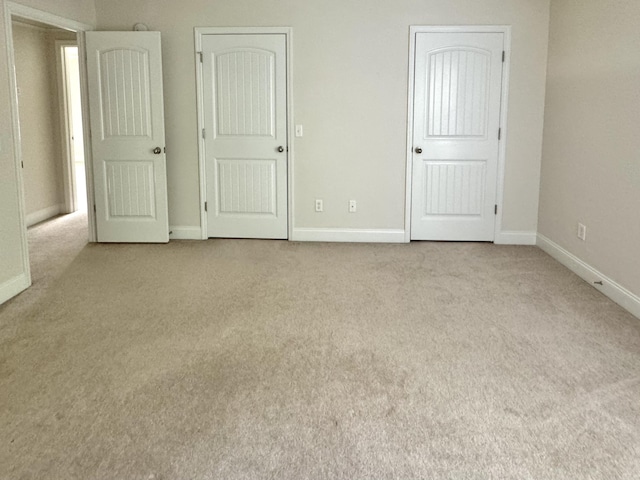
(127, 136)
(457, 96)
(245, 118)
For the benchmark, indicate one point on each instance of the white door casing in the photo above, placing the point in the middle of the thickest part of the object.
(455, 137)
(128, 137)
(244, 80)
(12, 11)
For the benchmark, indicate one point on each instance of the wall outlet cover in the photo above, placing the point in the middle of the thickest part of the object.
(582, 232)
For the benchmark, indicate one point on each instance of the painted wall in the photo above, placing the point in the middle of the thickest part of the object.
(350, 62)
(11, 254)
(591, 162)
(39, 119)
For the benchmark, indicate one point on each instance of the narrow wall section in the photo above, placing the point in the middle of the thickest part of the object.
(591, 153)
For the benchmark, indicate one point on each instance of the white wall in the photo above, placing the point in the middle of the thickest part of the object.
(350, 93)
(591, 163)
(39, 121)
(12, 268)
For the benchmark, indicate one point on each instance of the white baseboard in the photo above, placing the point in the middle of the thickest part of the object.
(347, 235)
(44, 214)
(616, 292)
(13, 287)
(516, 238)
(185, 233)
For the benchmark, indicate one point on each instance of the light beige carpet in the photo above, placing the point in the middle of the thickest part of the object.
(240, 359)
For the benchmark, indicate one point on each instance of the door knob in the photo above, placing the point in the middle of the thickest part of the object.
(418, 150)
(157, 150)
(281, 149)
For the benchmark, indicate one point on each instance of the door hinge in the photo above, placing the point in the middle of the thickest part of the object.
(500, 134)
(204, 135)
(205, 207)
(495, 210)
(94, 208)
(504, 56)
(201, 57)
(22, 163)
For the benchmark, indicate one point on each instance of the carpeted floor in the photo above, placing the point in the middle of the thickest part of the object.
(244, 359)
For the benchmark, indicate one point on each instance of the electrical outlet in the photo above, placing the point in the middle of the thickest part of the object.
(353, 206)
(582, 232)
(299, 131)
(319, 205)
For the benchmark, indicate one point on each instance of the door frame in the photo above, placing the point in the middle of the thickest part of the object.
(13, 11)
(504, 104)
(199, 32)
(64, 107)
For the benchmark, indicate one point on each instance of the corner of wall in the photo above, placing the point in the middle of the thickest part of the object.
(616, 292)
(13, 287)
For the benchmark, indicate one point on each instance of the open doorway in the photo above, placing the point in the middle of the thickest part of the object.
(47, 76)
(70, 96)
(46, 20)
